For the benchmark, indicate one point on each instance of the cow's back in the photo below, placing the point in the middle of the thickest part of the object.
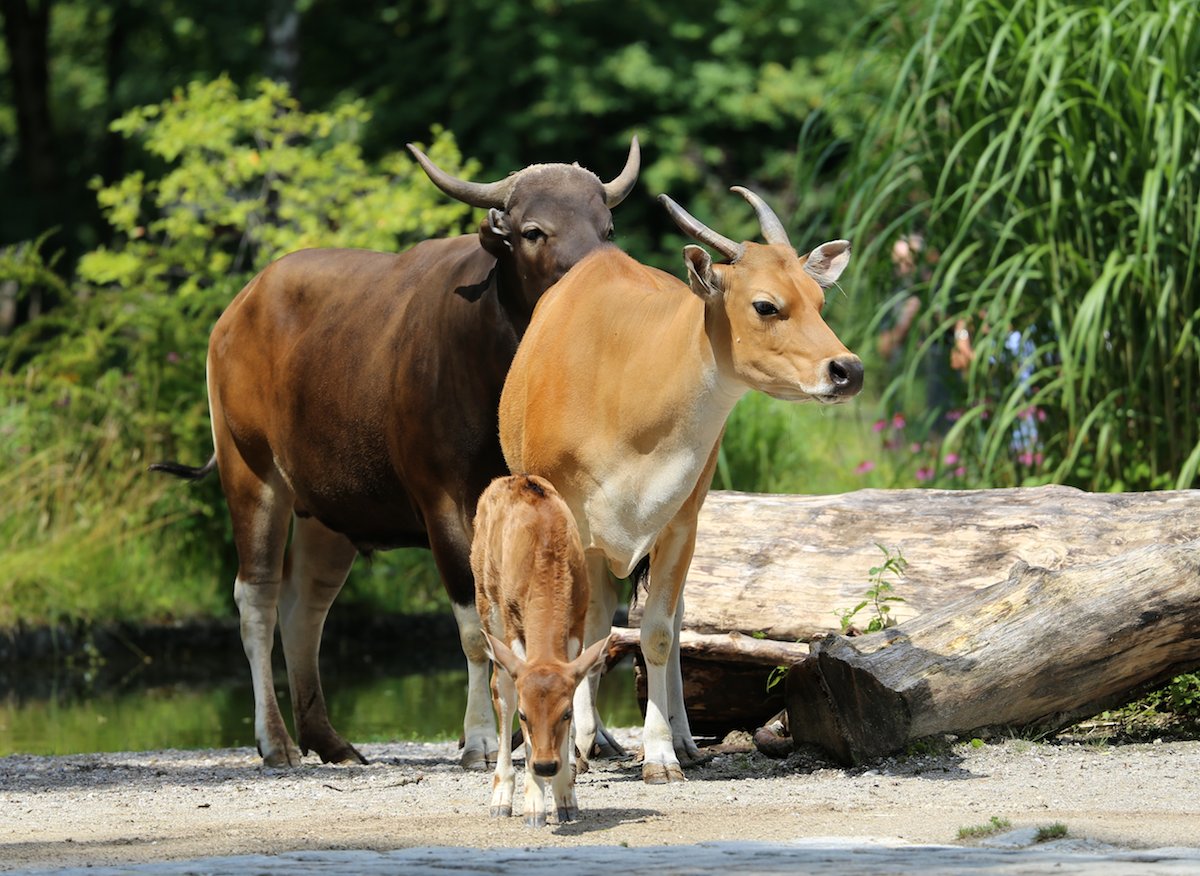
(582, 353)
(369, 380)
(528, 560)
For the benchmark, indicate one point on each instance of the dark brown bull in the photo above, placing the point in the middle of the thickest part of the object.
(357, 393)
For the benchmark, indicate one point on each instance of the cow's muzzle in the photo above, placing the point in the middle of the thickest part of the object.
(846, 375)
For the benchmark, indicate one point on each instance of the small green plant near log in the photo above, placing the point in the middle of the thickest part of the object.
(994, 825)
(880, 594)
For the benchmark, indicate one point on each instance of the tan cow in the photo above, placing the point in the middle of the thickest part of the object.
(618, 394)
(531, 590)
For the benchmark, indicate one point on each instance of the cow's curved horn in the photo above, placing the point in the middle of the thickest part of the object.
(692, 227)
(616, 191)
(772, 229)
(473, 193)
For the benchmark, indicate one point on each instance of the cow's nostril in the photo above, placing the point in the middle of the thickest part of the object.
(846, 374)
(546, 768)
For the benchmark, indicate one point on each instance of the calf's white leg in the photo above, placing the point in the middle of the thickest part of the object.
(504, 780)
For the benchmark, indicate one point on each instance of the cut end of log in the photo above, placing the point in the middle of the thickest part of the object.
(844, 710)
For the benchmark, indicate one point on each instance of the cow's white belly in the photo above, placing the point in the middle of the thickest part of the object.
(625, 512)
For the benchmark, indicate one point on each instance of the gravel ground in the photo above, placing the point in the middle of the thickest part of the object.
(115, 810)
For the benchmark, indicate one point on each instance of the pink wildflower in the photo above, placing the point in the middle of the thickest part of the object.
(865, 466)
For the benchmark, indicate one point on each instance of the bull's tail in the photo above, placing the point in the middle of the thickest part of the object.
(191, 473)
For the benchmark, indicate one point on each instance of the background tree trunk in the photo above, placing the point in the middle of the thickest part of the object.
(26, 37)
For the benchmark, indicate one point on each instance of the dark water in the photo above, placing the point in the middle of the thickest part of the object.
(133, 699)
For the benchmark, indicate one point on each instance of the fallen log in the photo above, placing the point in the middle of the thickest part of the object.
(785, 567)
(1040, 651)
(725, 677)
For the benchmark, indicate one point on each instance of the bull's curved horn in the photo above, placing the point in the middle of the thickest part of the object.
(616, 191)
(772, 229)
(692, 227)
(473, 193)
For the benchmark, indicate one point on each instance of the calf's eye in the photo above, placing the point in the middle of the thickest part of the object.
(765, 308)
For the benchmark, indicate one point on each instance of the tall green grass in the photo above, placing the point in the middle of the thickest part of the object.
(1049, 151)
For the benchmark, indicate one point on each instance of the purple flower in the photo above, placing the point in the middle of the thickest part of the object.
(924, 474)
(865, 466)
(898, 421)
(879, 426)
(950, 458)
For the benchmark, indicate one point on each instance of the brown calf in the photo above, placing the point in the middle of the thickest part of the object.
(531, 589)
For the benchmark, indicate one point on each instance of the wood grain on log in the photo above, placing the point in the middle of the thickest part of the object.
(1042, 649)
(786, 566)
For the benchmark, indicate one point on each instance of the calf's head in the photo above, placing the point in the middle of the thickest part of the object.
(543, 219)
(763, 308)
(545, 692)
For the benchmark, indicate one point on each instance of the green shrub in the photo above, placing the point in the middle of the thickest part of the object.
(113, 378)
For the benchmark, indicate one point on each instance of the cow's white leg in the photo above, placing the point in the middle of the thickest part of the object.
(681, 730)
(563, 784)
(479, 748)
(589, 728)
(669, 561)
(259, 512)
(316, 568)
(504, 780)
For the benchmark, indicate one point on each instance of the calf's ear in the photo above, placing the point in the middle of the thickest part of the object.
(503, 656)
(590, 660)
(495, 233)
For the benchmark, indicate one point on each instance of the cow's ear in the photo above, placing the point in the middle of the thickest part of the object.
(703, 278)
(826, 263)
(495, 233)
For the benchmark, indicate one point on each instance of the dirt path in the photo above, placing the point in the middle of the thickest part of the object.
(110, 809)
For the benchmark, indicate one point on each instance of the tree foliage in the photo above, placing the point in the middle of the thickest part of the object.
(114, 377)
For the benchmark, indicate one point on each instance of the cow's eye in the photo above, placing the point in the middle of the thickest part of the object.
(533, 234)
(566, 716)
(521, 717)
(612, 233)
(765, 308)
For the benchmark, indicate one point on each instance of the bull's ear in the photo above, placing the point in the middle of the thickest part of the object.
(826, 263)
(590, 660)
(503, 655)
(704, 280)
(495, 233)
